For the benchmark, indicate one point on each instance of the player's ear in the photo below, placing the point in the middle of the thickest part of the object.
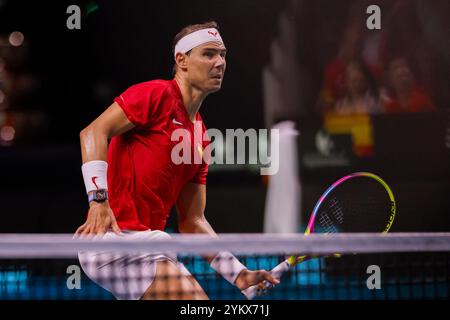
(181, 60)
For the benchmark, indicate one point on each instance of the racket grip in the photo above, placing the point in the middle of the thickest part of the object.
(276, 272)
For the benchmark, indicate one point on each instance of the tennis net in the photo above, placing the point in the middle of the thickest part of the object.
(370, 266)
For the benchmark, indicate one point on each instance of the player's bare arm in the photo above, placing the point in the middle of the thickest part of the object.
(94, 147)
(191, 206)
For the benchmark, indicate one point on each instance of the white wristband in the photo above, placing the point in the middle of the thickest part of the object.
(94, 175)
(227, 265)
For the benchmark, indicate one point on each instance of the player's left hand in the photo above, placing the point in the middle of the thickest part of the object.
(248, 278)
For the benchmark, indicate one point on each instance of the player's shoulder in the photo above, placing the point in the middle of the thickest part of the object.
(157, 85)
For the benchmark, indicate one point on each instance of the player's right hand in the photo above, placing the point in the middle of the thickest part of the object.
(262, 278)
(100, 219)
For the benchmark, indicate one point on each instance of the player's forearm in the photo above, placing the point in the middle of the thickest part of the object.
(94, 144)
(223, 262)
(199, 226)
(94, 149)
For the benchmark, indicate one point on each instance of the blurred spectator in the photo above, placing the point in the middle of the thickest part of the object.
(334, 70)
(402, 93)
(360, 91)
(357, 43)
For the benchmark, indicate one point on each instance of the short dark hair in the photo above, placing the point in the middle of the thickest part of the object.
(187, 30)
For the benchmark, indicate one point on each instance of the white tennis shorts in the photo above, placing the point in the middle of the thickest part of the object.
(126, 276)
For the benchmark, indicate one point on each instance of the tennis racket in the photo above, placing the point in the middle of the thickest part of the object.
(359, 202)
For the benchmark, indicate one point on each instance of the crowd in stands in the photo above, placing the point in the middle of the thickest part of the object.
(370, 76)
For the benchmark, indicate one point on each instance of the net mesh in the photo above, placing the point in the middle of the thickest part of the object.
(392, 266)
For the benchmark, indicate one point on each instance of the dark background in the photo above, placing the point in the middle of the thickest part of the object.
(62, 79)
(75, 74)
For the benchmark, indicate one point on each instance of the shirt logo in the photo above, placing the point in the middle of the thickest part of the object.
(200, 150)
(177, 122)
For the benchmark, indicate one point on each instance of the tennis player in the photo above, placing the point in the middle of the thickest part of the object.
(133, 183)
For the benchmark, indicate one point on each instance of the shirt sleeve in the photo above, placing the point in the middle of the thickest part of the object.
(140, 103)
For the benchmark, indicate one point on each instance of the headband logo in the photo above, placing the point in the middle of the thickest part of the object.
(212, 33)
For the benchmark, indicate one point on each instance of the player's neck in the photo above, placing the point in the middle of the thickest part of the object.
(192, 97)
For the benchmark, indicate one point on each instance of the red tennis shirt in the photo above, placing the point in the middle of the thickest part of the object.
(143, 180)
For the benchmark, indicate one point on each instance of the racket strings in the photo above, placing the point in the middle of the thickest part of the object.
(360, 206)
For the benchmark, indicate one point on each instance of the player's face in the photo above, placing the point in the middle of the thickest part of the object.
(206, 66)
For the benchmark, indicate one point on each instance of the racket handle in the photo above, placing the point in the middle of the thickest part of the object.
(276, 272)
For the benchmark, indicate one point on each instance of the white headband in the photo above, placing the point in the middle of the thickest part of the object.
(195, 39)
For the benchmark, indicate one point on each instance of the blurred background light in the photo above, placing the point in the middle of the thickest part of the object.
(16, 38)
(7, 133)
